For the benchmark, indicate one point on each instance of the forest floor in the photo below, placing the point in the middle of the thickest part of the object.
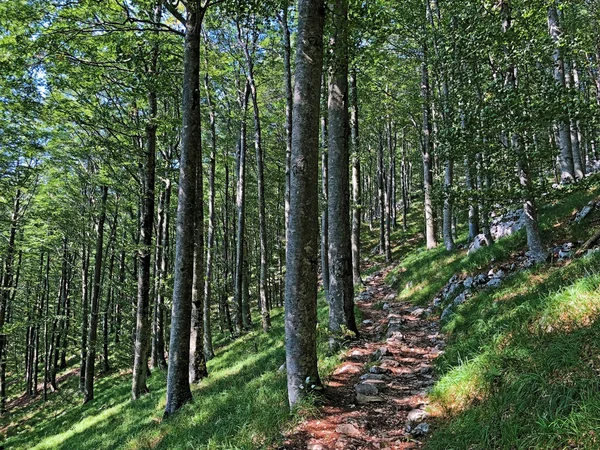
(525, 351)
(375, 398)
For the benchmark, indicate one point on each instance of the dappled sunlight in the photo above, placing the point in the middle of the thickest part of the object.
(573, 307)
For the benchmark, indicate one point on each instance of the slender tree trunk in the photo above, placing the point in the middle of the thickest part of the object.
(301, 257)
(324, 214)
(85, 264)
(484, 186)
(262, 221)
(95, 301)
(212, 218)
(534, 240)
(158, 342)
(405, 202)
(356, 182)
(5, 295)
(142, 318)
(178, 386)
(287, 70)
(388, 194)
(108, 304)
(566, 152)
(473, 204)
(197, 368)
(430, 234)
(341, 285)
(224, 298)
(448, 204)
(381, 196)
(241, 213)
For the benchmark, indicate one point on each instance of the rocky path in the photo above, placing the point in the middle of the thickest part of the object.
(376, 398)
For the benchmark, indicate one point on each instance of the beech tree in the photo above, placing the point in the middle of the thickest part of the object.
(303, 228)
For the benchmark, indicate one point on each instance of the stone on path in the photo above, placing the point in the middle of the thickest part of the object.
(366, 399)
(366, 389)
(316, 446)
(379, 370)
(417, 415)
(381, 352)
(373, 377)
(348, 429)
(420, 430)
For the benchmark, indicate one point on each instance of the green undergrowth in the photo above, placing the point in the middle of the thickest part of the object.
(521, 369)
(241, 405)
(522, 365)
(421, 273)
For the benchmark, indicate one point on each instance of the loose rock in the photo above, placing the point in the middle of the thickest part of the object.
(366, 399)
(348, 429)
(379, 370)
(420, 430)
(417, 415)
(366, 389)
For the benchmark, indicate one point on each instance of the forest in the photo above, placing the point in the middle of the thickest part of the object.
(311, 224)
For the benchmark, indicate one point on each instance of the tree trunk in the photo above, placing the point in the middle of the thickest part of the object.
(448, 205)
(473, 204)
(178, 387)
(534, 240)
(94, 305)
(142, 318)
(208, 345)
(324, 214)
(260, 178)
(197, 368)
(5, 295)
(287, 69)
(566, 152)
(427, 155)
(162, 256)
(381, 196)
(301, 257)
(356, 182)
(241, 213)
(341, 285)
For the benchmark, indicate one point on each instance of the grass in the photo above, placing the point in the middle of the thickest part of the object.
(241, 405)
(522, 368)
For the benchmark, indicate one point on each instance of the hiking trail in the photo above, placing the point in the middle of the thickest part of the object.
(376, 398)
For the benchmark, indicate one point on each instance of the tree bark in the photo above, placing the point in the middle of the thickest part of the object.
(197, 369)
(381, 196)
(301, 257)
(473, 204)
(566, 151)
(341, 285)
(142, 319)
(430, 234)
(287, 70)
(5, 295)
(212, 218)
(95, 300)
(178, 387)
(241, 214)
(324, 214)
(534, 241)
(356, 182)
(260, 178)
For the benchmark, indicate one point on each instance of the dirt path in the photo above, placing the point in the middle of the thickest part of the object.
(375, 399)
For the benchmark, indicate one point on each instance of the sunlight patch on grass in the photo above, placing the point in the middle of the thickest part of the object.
(575, 306)
(80, 427)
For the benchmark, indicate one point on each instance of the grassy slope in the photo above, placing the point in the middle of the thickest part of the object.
(522, 365)
(519, 371)
(242, 405)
